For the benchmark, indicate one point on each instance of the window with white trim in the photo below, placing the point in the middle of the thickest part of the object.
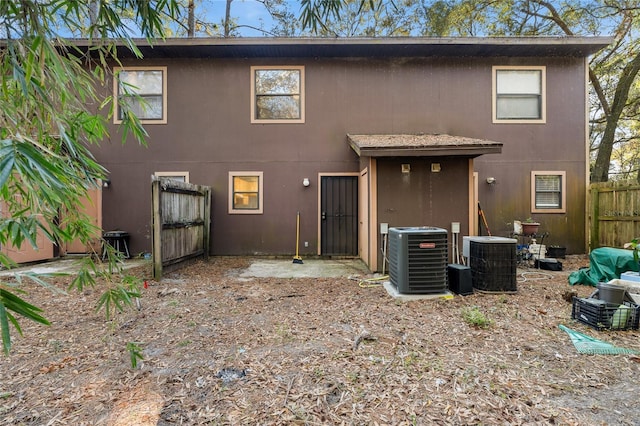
(277, 94)
(179, 176)
(548, 192)
(245, 192)
(141, 91)
(519, 94)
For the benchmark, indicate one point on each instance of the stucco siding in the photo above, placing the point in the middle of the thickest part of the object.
(209, 133)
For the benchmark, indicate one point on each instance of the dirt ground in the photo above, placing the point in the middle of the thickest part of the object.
(223, 348)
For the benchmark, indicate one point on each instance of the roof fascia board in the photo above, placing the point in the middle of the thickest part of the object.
(367, 47)
(447, 151)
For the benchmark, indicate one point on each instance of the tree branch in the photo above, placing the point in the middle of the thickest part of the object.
(627, 76)
(557, 19)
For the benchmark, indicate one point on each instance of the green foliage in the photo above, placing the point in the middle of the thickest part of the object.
(475, 317)
(10, 302)
(120, 294)
(314, 13)
(135, 353)
(635, 246)
(54, 107)
(371, 19)
(86, 275)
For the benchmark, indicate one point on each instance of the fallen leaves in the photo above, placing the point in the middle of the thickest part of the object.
(57, 365)
(222, 349)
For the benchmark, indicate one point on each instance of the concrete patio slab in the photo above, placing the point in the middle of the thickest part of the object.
(309, 268)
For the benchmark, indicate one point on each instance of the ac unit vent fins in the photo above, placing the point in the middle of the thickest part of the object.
(493, 264)
(418, 259)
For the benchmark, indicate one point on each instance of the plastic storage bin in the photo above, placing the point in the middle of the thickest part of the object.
(601, 315)
(630, 276)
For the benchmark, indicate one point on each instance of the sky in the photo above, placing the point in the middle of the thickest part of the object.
(247, 12)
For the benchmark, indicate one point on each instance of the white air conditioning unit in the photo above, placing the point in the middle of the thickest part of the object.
(418, 259)
(493, 263)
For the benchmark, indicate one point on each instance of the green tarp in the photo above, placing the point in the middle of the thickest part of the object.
(605, 264)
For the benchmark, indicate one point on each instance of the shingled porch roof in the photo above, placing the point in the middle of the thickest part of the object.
(421, 145)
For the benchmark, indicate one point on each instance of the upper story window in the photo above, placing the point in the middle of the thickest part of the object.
(277, 94)
(245, 192)
(141, 91)
(519, 94)
(548, 192)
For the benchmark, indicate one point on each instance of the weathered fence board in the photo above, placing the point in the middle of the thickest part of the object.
(615, 213)
(181, 223)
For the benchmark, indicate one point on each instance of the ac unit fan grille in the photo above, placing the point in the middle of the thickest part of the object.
(493, 266)
(418, 260)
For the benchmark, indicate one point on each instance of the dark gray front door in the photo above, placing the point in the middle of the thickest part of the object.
(339, 215)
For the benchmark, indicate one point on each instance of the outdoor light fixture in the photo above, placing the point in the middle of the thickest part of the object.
(491, 180)
(306, 182)
(106, 183)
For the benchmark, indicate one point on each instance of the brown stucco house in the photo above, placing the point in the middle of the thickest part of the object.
(355, 133)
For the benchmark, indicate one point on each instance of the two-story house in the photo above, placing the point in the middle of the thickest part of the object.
(355, 133)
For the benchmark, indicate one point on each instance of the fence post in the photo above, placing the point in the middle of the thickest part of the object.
(207, 221)
(594, 233)
(156, 226)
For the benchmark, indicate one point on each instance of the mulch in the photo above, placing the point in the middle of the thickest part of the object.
(221, 348)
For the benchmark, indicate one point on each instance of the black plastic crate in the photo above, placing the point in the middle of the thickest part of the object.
(605, 316)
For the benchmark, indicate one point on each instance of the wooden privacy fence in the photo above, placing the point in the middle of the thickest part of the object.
(181, 219)
(615, 213)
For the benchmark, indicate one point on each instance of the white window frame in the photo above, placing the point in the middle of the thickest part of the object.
(255, 120)
(116, 93)
(563, 189)
(543, 94)
(171, 175)
(259, 210)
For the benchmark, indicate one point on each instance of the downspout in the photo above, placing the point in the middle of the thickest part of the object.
(373, 214)
(587, 196)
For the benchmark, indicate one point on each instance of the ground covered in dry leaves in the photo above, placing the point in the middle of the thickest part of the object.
(224, 349)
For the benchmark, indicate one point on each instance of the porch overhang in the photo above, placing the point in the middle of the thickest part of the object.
(421, 145)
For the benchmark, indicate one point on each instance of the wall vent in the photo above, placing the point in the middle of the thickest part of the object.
(418, 259)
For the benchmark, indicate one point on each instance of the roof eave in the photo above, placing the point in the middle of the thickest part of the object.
(441, 151)
(366, 47)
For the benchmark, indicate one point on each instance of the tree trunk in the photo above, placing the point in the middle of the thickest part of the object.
(191, 20)
(227, 19)
(600, 172)
(93, 18)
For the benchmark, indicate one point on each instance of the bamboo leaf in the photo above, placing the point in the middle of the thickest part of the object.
(7, 161)
(105, 302)
(4, 328)
(21, 307)
(49, 88)
(86, 275)
(135, 353)
(15, 323)
(40, 279)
